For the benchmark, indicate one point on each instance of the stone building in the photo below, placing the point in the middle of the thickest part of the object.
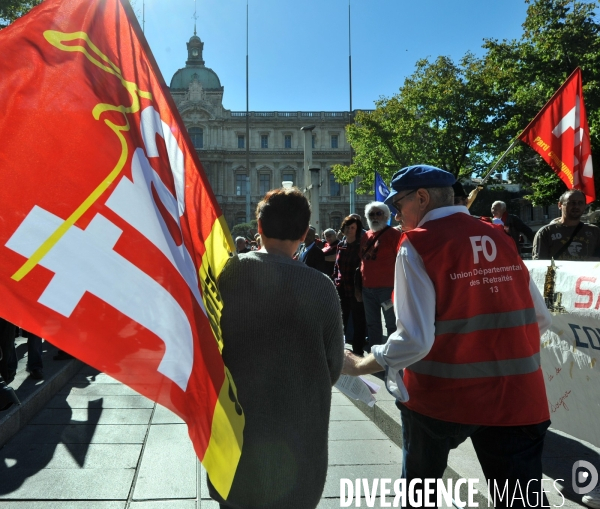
(276, 145)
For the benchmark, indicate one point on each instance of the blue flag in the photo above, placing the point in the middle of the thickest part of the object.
(382, 192)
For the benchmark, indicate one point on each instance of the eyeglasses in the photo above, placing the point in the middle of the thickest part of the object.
(395, 203)
(376, 213)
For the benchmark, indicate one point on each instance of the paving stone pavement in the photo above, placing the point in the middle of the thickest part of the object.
(99, 445)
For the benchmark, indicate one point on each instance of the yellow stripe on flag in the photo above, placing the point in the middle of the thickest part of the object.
(227, 432)
(226, 438)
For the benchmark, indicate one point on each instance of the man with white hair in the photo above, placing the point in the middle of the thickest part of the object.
(241, 246)
(512, 224)
(378, 248)
(330, 250)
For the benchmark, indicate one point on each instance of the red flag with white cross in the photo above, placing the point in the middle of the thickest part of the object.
(111, 240)
(560, 134)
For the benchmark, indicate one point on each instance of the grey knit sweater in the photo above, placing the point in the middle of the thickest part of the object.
(283, 343)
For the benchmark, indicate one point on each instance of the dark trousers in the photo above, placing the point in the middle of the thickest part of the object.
(351, 307)
(7, 346)
(34, 350)
(507, 454)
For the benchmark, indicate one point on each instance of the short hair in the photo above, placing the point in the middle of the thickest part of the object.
(237, 239)
(284, 214)
(501, 203)
(379, 205)
(567, 194)
(351, 219)
(329, 231)
(441, 196)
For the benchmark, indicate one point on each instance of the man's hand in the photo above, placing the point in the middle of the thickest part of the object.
(355, 365)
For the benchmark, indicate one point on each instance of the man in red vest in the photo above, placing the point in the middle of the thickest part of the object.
(469, 320)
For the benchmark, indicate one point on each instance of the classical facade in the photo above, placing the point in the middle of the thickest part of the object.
(275, 140)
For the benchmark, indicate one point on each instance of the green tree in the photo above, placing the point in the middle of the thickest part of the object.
(10, 10)
(246, 230)
(558, 36)
(461, 117)
(440, 116)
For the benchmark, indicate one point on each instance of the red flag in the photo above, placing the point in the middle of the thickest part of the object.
(560, 134)
(111, 238)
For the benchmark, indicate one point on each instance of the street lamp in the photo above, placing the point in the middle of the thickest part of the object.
(311, 177)
(307, 153)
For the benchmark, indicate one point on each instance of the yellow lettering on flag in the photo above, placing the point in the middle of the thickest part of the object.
(561, 166)
(541, 143)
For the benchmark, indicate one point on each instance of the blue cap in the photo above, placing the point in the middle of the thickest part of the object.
(417, 177)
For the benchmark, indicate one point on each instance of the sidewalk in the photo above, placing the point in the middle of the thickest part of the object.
(99, 445)
(560, 451)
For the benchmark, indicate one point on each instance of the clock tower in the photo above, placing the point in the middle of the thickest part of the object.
(195, 47)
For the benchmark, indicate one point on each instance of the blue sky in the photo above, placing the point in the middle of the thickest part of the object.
(299, 49)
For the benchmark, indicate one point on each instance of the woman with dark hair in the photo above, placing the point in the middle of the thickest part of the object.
(347, 260)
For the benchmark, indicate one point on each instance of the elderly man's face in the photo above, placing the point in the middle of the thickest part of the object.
(376, 219)
(240, 245)
(330, 238)
(497, 211)
(408, 214)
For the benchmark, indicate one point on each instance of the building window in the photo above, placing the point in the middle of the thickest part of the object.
(314, 140)
(288, 176)
(336, 222)
(335, 189)
(287, 141)
(264, 141)
(197, 135)
(240, 184)
(334, 141)
(241, 141)
(240, 218)
(264, 183)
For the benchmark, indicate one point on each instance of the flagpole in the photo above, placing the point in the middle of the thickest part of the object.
(353, 183)
(473, 194)
(247, 126)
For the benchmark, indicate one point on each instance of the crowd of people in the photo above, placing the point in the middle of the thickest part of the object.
(459, 368)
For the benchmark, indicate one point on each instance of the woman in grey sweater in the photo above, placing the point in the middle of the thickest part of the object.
(283, 343)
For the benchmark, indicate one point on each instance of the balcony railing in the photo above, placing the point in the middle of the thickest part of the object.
(293, 114)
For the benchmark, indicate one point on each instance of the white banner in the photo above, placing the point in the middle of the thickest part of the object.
(571, 348)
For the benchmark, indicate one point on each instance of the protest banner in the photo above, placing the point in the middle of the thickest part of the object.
(571, 348)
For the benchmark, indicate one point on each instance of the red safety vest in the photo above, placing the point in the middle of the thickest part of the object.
(484, 366)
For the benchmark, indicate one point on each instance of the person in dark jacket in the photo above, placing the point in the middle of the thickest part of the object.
(284, 347)
(344, 276)
(311, 253)
(512, 224)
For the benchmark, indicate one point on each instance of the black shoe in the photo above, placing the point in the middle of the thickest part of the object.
(36, 374)
(62, 356)
(8, 396)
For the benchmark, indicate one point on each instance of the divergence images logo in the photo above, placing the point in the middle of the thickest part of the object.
(584, 477)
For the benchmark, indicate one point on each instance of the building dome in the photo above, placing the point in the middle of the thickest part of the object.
(195, 70)
(183, 77)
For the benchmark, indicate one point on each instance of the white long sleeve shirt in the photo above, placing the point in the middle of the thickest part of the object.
(414, 306)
